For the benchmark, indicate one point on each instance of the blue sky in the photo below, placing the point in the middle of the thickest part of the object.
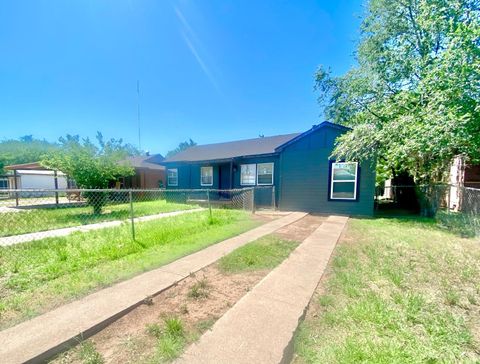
(212, 71)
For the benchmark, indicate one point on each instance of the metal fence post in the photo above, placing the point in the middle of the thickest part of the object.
(253, 200)
(209, 205)
(55, 182)
(132, 217)
(15, 184)
(274, 205)
(449, 197)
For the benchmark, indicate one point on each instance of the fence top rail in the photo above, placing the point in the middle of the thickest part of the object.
(432, 185)
(472, 189)
(77, 190)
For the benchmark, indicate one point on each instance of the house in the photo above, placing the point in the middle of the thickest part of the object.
(148, 173)
(462, 175)
(35, 176)
(296, 167)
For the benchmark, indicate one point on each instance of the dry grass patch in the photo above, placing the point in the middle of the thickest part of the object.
(398, 291)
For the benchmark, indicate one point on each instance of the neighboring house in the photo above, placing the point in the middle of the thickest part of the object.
(4, 184)
(148, 173)
(297, 167)
(35, 176)
(462, 175)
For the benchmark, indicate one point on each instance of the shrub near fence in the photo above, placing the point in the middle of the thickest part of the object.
(454, 207)
(36, 212)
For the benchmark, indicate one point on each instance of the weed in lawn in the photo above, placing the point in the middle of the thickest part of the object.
(171, 340)
(472, 299)
(15, 267)
(62, 254)
(325, 300)
(264, 253)
(174, 327)
(154, 330)
(199, 290)
(184, 309)
(469, 272)
(452, 297)
(395, 275)
(170, 347)
(88, 354)
(414, 304)
(206, 324)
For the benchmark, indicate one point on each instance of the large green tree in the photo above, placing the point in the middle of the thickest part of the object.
(26, 149)
(181, 147)
(92, 165)
(413, 99)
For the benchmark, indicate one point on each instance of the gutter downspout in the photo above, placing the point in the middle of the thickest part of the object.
(279, 191)
(231, 174)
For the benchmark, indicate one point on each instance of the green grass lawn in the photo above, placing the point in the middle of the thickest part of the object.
(399, 291)
(264, 253)
(41, 219)
(39, 275)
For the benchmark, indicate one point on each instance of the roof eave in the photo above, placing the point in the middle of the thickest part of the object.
(323, 124)
(27, 166)
(220, 160)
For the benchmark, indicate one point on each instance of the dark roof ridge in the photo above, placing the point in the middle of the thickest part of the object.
(245, 140)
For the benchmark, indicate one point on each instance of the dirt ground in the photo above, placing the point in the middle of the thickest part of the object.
(127, 340)
(314, 309)
(302, 228)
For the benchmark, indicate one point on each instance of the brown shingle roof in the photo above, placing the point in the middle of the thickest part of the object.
(146, 162)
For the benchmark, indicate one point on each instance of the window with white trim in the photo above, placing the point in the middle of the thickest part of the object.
(172, 177)
(206, 176)
(265, 173)
(343, 185)
(248, 174)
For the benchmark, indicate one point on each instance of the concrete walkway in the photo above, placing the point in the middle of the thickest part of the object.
(261, 326)
(23, 238)
(42, 337)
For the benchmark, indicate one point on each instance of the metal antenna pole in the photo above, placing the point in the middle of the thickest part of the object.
(138, 116)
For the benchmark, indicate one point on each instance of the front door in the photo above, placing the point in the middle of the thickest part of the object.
(224, 176)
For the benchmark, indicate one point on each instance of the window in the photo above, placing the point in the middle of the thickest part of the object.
(3, 183)
(248, 173)
(344, 181)
(172, 177)
(265, 173)
(206, 176)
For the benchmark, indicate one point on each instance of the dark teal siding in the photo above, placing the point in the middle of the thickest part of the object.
(263, 193)
(189, 177)
(301, 176)
(189, 174)
(305, 168)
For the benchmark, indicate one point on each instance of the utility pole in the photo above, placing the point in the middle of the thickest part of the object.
(138, 116)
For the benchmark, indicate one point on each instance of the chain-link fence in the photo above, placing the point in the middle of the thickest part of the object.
(28, 215)
(455, 207)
